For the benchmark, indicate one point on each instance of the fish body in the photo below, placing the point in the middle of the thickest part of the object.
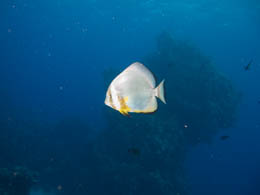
(247, 67)
(224, 137)
(133, 90)
(134, 151)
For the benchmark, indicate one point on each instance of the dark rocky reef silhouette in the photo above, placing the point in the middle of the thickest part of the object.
(18, 180)
(200, 102)
(198, 95)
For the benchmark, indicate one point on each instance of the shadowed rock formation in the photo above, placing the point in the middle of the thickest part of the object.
(200, 101)
(18, 180)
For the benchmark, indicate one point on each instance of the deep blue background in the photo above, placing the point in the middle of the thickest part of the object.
(53, 54)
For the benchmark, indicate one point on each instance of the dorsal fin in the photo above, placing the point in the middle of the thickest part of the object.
(140, 69)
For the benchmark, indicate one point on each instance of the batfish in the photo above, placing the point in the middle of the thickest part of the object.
(134, 90)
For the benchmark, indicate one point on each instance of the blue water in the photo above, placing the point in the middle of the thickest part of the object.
(53, 121)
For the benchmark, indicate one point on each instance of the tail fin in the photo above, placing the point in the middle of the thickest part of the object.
(159, 92)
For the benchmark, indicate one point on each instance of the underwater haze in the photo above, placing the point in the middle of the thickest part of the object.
(57, 59)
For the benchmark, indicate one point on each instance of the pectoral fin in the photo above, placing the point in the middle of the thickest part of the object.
(124, 109)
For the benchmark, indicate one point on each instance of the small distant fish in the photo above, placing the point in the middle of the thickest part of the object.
(134, 151)
(247, 67)
(133, 90)
(224, 137)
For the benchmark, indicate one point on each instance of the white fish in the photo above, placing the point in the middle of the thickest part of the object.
(133, 90)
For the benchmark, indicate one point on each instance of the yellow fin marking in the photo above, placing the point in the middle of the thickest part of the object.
(144, 111)
(124, 109)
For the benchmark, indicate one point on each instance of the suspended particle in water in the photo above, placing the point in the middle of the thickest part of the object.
(59, 187)
(185, 126)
